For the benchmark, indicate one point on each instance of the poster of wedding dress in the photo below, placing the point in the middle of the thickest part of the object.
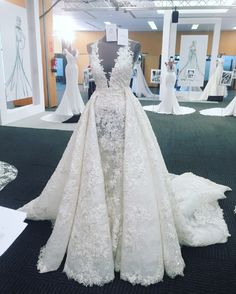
(14, 46)
(193, 51)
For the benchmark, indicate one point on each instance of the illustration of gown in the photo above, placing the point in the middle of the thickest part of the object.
(213, 87)
(72, 102)
(18, 84)
(169, 103)
(113, 203)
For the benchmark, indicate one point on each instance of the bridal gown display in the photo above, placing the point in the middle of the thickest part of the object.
(139, 85)
(229, 110)
(111, 197)
(213, 87)
(169, 103)
(72, 102)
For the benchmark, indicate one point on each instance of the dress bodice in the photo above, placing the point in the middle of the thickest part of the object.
(170, 79)
(120, 74)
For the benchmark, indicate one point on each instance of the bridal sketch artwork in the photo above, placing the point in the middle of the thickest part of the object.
(15, 52)
(193, 51)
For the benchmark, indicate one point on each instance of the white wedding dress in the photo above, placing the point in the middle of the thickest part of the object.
(111, 196)
(229, 110)
(169, 103)
(139, 85)
(72, 102)
(213, 87)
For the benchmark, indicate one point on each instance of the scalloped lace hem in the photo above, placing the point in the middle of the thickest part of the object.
(88, 280)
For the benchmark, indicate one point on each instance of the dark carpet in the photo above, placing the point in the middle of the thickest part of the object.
(74, 119)
(203, 145)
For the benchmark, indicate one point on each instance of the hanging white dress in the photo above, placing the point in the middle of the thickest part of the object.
(169, 103)
(111, 196)
(72, 102)
(213, 87)
(229, 110)
(139, 85)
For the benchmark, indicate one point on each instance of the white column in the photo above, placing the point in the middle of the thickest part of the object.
(215, 46)
(3, 103)
(172, 41)
(35, 52)
(165, 52)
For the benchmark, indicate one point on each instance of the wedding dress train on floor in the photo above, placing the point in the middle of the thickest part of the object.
(8, 173)
(114, 204)
(169, 103)
(229, 110)
(72, 102)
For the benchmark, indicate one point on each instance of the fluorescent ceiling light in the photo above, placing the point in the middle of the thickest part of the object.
(234, 28)
(196, 11)
(179, 3)
(152, 25)
(194, 26)
(107, 22)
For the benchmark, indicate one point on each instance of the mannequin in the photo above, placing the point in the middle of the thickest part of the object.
(108, 52)
(214, 90)
(169, 103)
(72, 103)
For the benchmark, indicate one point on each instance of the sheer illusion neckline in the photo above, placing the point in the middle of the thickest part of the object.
(116, 60)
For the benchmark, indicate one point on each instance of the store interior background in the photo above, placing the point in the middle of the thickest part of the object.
(81, 27)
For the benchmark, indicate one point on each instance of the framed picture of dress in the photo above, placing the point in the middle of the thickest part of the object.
(226, 78)
(155, 76)
(193, 50)
(14, 43)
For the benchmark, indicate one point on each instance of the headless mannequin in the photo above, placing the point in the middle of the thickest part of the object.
(108, 52)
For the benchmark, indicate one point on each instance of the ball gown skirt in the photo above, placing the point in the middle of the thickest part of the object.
(111, 198)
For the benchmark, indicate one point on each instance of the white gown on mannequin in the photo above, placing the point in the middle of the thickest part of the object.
(112, 198)
(139, 86)
(229, 110)
(169, 104)
(72, 102)
(213, 87)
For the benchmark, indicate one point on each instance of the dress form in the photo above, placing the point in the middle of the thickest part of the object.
(108, 52)
(71, 103)
(170, 105)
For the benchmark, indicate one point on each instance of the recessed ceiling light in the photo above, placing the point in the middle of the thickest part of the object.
(196, 3)
(152, 25)
(107, 22)
(194, 26)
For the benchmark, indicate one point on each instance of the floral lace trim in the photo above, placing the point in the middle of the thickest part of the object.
(124, 59)
(88, 280)
(8, 173)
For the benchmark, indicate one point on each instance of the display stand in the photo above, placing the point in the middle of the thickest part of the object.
(10, 115)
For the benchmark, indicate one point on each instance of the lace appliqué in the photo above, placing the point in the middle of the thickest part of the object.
(120, 74)
(8, 173)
